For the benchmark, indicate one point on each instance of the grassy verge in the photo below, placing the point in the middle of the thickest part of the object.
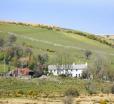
(51, 87)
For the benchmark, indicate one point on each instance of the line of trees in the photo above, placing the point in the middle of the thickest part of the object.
(15, 55)
(90, 36)
(100, 69)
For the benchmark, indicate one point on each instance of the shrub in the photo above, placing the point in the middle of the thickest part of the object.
(49, 50)
(112, 89)
(32, 93)
(62, 75)
(88, 53)
(106, 90)
(19, 93)
(103, 102)
(91, 88)
(68, 100)
(12, 39)
(91, 92)
(72, 92)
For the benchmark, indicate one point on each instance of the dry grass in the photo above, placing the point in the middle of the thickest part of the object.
(96, 99)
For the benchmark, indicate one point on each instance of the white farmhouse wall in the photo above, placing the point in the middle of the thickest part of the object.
(76, 73)
(75, 70)
(55, 72)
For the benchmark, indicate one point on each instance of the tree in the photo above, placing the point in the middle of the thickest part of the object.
(1, 42)
(64, 59)
(15, 62)
(19, 52)
(42, 59)
(32, 62)
(86, 74)
(28, 51)
(107, 36)
(110, 74)
(88, 53)
(99, 67)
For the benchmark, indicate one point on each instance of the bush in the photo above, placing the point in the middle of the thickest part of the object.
(112, 89)
(72, 92)
(12, 39)
(19, 93)
(62, 75)
(68, 100)
(106, 90)
(88, 53)
(103, 102)
(91, 88)
(91, 92)
(49, 50)
(32, 93)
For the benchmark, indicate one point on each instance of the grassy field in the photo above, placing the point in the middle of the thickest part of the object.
(42, 40)
(5, 68)
(56, 44)
(52, 91)
(52, 36)
(50, 87)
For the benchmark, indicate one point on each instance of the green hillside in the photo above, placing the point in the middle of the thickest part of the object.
(56, 41)
(63, 46)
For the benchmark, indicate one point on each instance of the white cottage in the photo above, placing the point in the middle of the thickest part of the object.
(74, 70)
